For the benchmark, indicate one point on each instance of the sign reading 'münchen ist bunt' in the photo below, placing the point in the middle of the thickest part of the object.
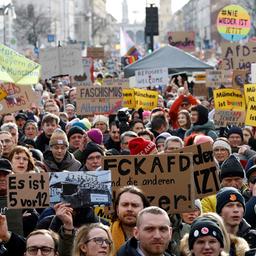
(233, 22)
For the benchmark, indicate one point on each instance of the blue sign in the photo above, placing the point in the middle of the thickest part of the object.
(51, 38)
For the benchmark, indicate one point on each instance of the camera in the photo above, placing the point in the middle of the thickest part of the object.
(122, 120)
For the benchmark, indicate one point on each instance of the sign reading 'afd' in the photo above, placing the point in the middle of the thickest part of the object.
(165, 179)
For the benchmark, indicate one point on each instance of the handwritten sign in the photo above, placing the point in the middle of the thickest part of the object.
(239, 78)
(129, 99)
(200, 89)
(151, 77)
(95, 52)
(237, 56)
(229, 99)
(99, 99)
(233, 23)
(28, 190)
(251, 114)
(216, 78)
(66, 60)
(223, 118)
(124, 82)
(205, 173)
(16, 68)
(182, 40)
(250, 92)
(165, 179)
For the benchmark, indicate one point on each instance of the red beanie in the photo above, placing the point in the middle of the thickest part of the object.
(140, 146)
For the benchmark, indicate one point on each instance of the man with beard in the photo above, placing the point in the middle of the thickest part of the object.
(127, 205)
(152, 234)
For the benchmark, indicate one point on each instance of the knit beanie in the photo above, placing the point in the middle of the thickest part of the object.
(201, 138)
(84, 124)
(250, 171)
(140, 146)
(75, 129)
(95, 135)
(203, 226)
(58, 137)
(202, 114)
(90, 148)
(231, 167)
(226, 195)
(222, 144)
(161, 138)
(100, 118)
(236, 130)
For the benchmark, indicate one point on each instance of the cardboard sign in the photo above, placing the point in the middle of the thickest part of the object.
(145, 99)
(200, 89)
(16, 68)
(205, 173)
(28, 190)
(239, 78)
(124, 82)
(233, 23)
(249, 92)
(216, 78)
(151, 77)
(199, 77)
(129, 99)
(81, 188)
(237, 56)
(95, 52)
(182, 40)
(99, 99)
(223, 118)
(18, 97)
(58, 61)
(229, 99)
(251, 114)
(165, 179)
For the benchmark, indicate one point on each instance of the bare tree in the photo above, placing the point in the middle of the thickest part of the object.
(31, 25)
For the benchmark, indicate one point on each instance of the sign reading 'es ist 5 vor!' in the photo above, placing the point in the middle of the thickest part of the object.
(165, 179)
(99, 99)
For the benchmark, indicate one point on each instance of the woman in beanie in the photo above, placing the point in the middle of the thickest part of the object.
(221, 150)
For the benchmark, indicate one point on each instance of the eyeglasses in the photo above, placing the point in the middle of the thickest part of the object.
(91, 158)
(99, 241)
(45, 250)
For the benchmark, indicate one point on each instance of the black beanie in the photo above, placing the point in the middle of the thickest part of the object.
(74, 130)
(231, 167)
(203, 226)
(236, 130)
(226, 195)
(202, 114)
(250, 171)
(90, 148)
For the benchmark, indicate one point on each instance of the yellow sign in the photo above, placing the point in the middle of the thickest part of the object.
(128, 98)
(229, 99)
(251, 114)
(3, 94)
(249, 92)
(16, 68)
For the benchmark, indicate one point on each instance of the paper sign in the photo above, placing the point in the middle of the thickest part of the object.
(253, 73)
(182, 40)
(99, 99)
(151, 77)
(124, 82)
(199, 77)
(250, 92)
(95, 52)
(200, 89)
(223, 118)
(28, 190)
(16, 68)
(19, 97)
(237, 56)
(81, 188)
(251, 114)
(129, 99)
(229, 99)
(145, 99)
(216, 78)
(233, 23)
(58, 61)
(205, 173)
(165, 179)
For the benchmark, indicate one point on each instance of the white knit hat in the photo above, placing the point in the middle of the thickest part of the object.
(100, 118)
(222, 144)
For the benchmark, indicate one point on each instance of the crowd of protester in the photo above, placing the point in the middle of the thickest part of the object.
(53, 138)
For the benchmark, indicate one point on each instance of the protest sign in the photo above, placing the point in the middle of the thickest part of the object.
(86, 78)
(81, 188)
(253, 73)
(18, 97)
(205, 173)
(151, 77)
(165, 179)
(237, 56)
(233, 23)
(28, 190)
(95, 52)
(251, 114)
(145, 99)
(249, 92)
(103, 212)
(182, 40)
(216, 78)
(16, 68)
(58, 61)
(128, 98)
(199, 77)
(200, 89)
(223, 118)
(124, 82)
(229, 99)
(99, 99)
(239, 78)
